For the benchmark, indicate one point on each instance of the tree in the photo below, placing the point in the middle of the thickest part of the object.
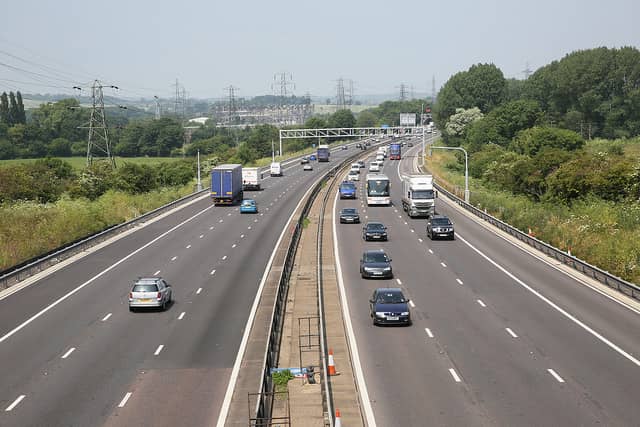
(4, 109)
(22, 116)
(531, 141)
(341, 119)
(14, 111)
(366, 119)
(457, 124)
(60, 147)
(315, 123)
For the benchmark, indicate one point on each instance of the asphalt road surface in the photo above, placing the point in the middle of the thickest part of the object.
(499, 337)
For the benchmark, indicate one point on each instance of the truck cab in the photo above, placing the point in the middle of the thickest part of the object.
(418, 195)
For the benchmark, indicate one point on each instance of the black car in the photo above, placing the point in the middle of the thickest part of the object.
(349, 215)
(389, 306)
(375, 263)
(440, 226)
(374, 231)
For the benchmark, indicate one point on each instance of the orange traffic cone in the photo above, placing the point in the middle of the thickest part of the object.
(338, 422)
(332, 365)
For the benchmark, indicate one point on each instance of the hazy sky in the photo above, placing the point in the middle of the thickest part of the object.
(143, 46)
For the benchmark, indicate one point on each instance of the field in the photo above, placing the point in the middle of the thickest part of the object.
(79, 163)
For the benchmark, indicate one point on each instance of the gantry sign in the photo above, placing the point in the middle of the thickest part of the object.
(351, 132)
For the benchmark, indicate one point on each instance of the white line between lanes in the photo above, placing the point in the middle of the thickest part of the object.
(102, 273)
(411, 303)
(71, 350)
(454, 374)
(481, 303)
(242, 236)
(443, 264)
(555, 375)
(249, 228)
(198, 291)
(211, 228)
(459, 281)
(188, 247)
(201, 236)
(174, 258)
(158, 350)
(124, 400)
(105, 318)
(224, 257)
(553, 305)
(513, 334)
(419, 240)
(398, 282)
(234, 245)
(429, 333)
(156, 273)
(213, 272)
(182, 315)
(431, 251)
(15, 403)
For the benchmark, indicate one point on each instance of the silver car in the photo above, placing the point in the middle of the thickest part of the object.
(150, 292)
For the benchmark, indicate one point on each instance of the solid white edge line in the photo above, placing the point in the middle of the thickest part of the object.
(226, 403)
(15, 403)
(554, 305)
(158, 350)
(555, 375)
(102, 273)
(454, 374)
(513, 334)
(105, 318)
(64, 356)
(182, 315)
(124, 400)
(429, 333)
(362, 385)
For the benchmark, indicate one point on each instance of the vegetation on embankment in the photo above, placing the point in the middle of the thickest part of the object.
(601, 232)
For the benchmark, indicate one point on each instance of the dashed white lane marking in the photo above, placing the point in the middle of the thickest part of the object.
(242, 236)
(105, 318)
(15, 403)
(222, 220)
(431, 251)
(255, 220)
(366, 216)
(124, 400)
(212, 272)
(182, 315)
(513, 334)
(188, 247)
(412, 304)
(156, 273)
(198, 291)
(399, 216)
(419, 240)
(443, 264)
(429, 333)
(398, 281)
(174, 258)
(261, 214)
(405, 223)
(249, 228)
(71, 350)
(229, 214)
(211, 228)
(158, 350)
(555, 375)
(234, 245)
(454, 374)
(201, 236)
(481, 303)
(413, 231)
(395, 210)
(459, 281)
(224, 257)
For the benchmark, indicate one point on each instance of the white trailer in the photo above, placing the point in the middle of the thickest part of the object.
(251, 178)
(418, 195)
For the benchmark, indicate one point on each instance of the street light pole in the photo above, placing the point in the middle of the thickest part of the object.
(466, 169)
(199, 181)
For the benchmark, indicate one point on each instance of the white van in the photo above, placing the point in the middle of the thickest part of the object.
(373, 167)
(276, 169)
(355, 168)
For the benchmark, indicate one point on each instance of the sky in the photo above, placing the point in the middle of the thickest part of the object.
(143, 46)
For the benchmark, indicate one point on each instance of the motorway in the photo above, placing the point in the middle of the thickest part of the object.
(499, 337)
(73, 355)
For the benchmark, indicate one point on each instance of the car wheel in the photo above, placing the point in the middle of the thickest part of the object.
(132, 310)
(164, 305)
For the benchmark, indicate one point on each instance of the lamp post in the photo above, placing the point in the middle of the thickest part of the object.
(466, 169)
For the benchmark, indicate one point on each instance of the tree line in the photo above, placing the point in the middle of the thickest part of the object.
(530, 136)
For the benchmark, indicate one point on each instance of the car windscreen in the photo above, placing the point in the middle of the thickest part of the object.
(376, 257)
(390, 298)
(375, 227)
(145, 288)
(348, 211)
(440, 221)
(347, 187)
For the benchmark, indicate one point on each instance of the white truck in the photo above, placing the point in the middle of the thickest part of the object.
(418, 195)
(251, 179)
(275, 169)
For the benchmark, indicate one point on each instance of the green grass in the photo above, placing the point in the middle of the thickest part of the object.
(79, 163)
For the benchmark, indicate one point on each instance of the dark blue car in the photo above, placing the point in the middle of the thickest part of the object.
(389, 306)
(348, 190)
(313, 157)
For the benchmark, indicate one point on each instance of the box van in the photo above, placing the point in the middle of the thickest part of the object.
(276, 169)
(373, 167)
(355, 168)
